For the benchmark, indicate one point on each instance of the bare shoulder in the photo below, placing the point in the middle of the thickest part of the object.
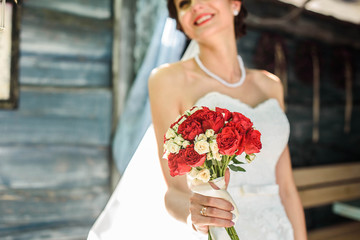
(165, 76)
(269, 84)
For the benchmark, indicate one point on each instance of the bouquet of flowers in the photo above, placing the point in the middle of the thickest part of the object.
(203, 143)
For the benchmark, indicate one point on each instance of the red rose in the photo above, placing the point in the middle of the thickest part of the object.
(239, 128)
(226, 113)
(192, 158)
(252, 142)
(190, 128)
(209, 119)
(243, 121)
(212, 120)
(229, 141)
(177, 164)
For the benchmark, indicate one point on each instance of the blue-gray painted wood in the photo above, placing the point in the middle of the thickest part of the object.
(62, 116)
(68, 231)
(53, 167)
(54, 149)
(31, 208)
(99, 9)
(52, 71)
(64, 36)
(65, 51)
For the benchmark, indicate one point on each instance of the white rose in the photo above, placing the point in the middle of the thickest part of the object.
(202, 147)
(217, 156)
(195, 109)
(182, 120)
(196, 182)
(172, 147)
(178, 140)
(201, 137)
(209, 133)
(185, 143)
(214, 147)
(204, 175)
(193, 173)
(209, 156)
(170, 133)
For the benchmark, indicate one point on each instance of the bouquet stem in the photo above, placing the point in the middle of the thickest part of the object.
(231, 231)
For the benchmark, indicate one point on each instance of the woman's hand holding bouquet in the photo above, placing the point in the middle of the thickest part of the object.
(204, 143)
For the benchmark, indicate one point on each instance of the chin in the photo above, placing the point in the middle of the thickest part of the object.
(206, 35)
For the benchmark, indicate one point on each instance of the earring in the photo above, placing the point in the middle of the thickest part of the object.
(236, 12)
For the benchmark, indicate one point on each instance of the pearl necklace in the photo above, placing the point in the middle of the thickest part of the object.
(222, 81)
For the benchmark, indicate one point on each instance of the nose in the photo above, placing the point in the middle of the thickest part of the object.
(196, 5)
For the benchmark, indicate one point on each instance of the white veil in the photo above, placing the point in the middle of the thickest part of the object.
(136, 209)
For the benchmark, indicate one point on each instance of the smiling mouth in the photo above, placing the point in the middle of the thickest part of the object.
(203, 19)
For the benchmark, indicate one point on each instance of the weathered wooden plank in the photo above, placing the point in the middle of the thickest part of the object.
(52, 71)
(348, 209)
(309, 176)
(69, 231)
(300, 117)
(347, 231)
(332, 126)
(89, 8)
(68, 116)
(53, 166)
(64, 35)
(24, 208)
(326, 195)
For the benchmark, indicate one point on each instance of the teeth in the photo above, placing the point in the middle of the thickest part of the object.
(202, 19)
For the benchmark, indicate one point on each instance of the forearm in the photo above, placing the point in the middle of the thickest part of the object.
(177, 204)
(295, 213)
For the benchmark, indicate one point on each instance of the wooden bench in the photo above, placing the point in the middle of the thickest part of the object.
(323, 185)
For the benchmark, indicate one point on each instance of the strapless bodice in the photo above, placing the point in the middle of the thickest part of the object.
(271, 121)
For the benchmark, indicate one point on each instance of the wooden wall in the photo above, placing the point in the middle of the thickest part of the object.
(334, 144)
(55, 148)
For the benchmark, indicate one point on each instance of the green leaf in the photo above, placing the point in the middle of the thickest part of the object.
(237, 161)
(236, 168)
(208, 163)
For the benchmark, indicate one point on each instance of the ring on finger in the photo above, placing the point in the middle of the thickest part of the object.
(203, 211)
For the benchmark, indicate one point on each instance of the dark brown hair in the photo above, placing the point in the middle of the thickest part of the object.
(239, 20)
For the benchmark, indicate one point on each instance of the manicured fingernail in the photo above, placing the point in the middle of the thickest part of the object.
(234, 216)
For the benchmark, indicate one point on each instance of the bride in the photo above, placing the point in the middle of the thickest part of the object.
(143, 206)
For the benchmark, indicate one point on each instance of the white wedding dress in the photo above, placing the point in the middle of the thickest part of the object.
(136, 208)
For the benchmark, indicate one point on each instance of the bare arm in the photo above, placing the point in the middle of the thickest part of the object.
(166, 102)
(290, 196)
(284, 178)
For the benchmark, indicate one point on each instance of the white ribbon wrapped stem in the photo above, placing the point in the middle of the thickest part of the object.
(207, 190)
